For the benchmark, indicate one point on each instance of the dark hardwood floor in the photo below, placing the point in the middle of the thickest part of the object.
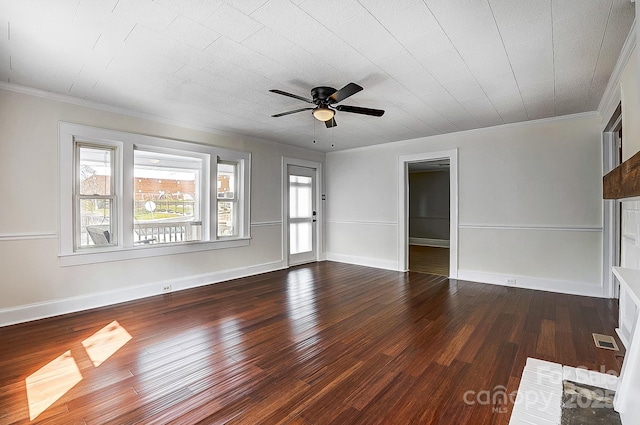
(429, 259)
(316, 344)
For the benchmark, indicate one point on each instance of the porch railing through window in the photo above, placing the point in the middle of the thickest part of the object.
(167, 231)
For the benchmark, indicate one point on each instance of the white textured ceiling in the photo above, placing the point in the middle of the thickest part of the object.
(435, 66)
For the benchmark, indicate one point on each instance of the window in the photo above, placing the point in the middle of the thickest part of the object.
(167, 205)
(95, 196)
(126, 195)
(227, 200)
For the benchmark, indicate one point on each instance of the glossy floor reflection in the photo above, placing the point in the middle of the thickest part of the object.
(315, 344)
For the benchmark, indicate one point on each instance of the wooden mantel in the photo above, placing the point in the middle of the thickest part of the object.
(623, 181)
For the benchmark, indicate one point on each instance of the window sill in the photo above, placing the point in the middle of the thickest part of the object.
(146, 251)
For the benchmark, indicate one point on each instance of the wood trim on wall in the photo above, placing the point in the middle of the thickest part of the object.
(623, 181)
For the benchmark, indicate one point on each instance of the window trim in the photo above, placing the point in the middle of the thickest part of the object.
(125, 143)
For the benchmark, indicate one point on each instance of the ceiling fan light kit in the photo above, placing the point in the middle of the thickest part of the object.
(324, 97)
(323, 113)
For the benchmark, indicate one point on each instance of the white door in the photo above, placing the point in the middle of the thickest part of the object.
(302, 214)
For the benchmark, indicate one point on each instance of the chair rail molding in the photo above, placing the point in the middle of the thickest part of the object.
(26, 236)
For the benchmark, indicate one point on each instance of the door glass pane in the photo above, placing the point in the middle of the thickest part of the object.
(300, 197)
(166, 204)
(300, 237)
(95, 223)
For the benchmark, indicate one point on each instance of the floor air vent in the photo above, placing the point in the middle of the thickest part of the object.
(605, 341)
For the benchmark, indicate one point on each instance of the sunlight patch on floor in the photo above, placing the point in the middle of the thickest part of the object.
(104, 343)
(46, 385)
(53, 380)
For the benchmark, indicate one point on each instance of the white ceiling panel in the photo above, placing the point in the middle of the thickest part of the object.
(232, 23)
(434, 66)
(414, 20)
(145, 12)
(482, 110)
(512, 12)
(537, 28)
(538, 92)
(543, 109)
(591, 23)
(488, 61)
(191, 33)
(246, 6)
(567, 8)
(465, 89)
(196, 10)
(503, 85)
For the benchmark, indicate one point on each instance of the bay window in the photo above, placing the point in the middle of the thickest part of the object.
(125, 195)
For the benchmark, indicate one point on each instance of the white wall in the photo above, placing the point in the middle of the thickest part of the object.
(429, 205)
(630, 99)
(630, 107)
(32, 282)
(530, 201)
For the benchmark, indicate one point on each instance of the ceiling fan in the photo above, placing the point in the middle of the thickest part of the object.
(324, 98)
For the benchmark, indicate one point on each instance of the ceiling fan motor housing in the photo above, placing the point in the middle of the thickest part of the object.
(321, 95)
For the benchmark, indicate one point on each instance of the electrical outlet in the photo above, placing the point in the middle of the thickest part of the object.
(166, 288)
(510, 281)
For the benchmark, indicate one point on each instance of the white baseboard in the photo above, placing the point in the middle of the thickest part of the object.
(438, 243)
(29, 312)
(363, 261)
(528, 282)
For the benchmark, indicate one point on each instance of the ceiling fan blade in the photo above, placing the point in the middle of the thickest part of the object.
(331, 123)
(295, 96)
(348, 90)
(291, 112)
(358, 110)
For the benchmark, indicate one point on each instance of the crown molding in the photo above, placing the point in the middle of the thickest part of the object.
(611, 97)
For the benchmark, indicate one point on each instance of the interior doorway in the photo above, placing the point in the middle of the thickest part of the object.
(612, 209)
(429, 216)
(415, 162)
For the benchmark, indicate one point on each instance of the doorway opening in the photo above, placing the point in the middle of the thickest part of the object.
(429, 216)
(612, 209)
(422, 217)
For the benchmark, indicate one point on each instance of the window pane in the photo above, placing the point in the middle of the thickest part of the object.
(166, 198)
(226, 218)
(95, 222)
(95, 171)
(226, 181)
(300, 237)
